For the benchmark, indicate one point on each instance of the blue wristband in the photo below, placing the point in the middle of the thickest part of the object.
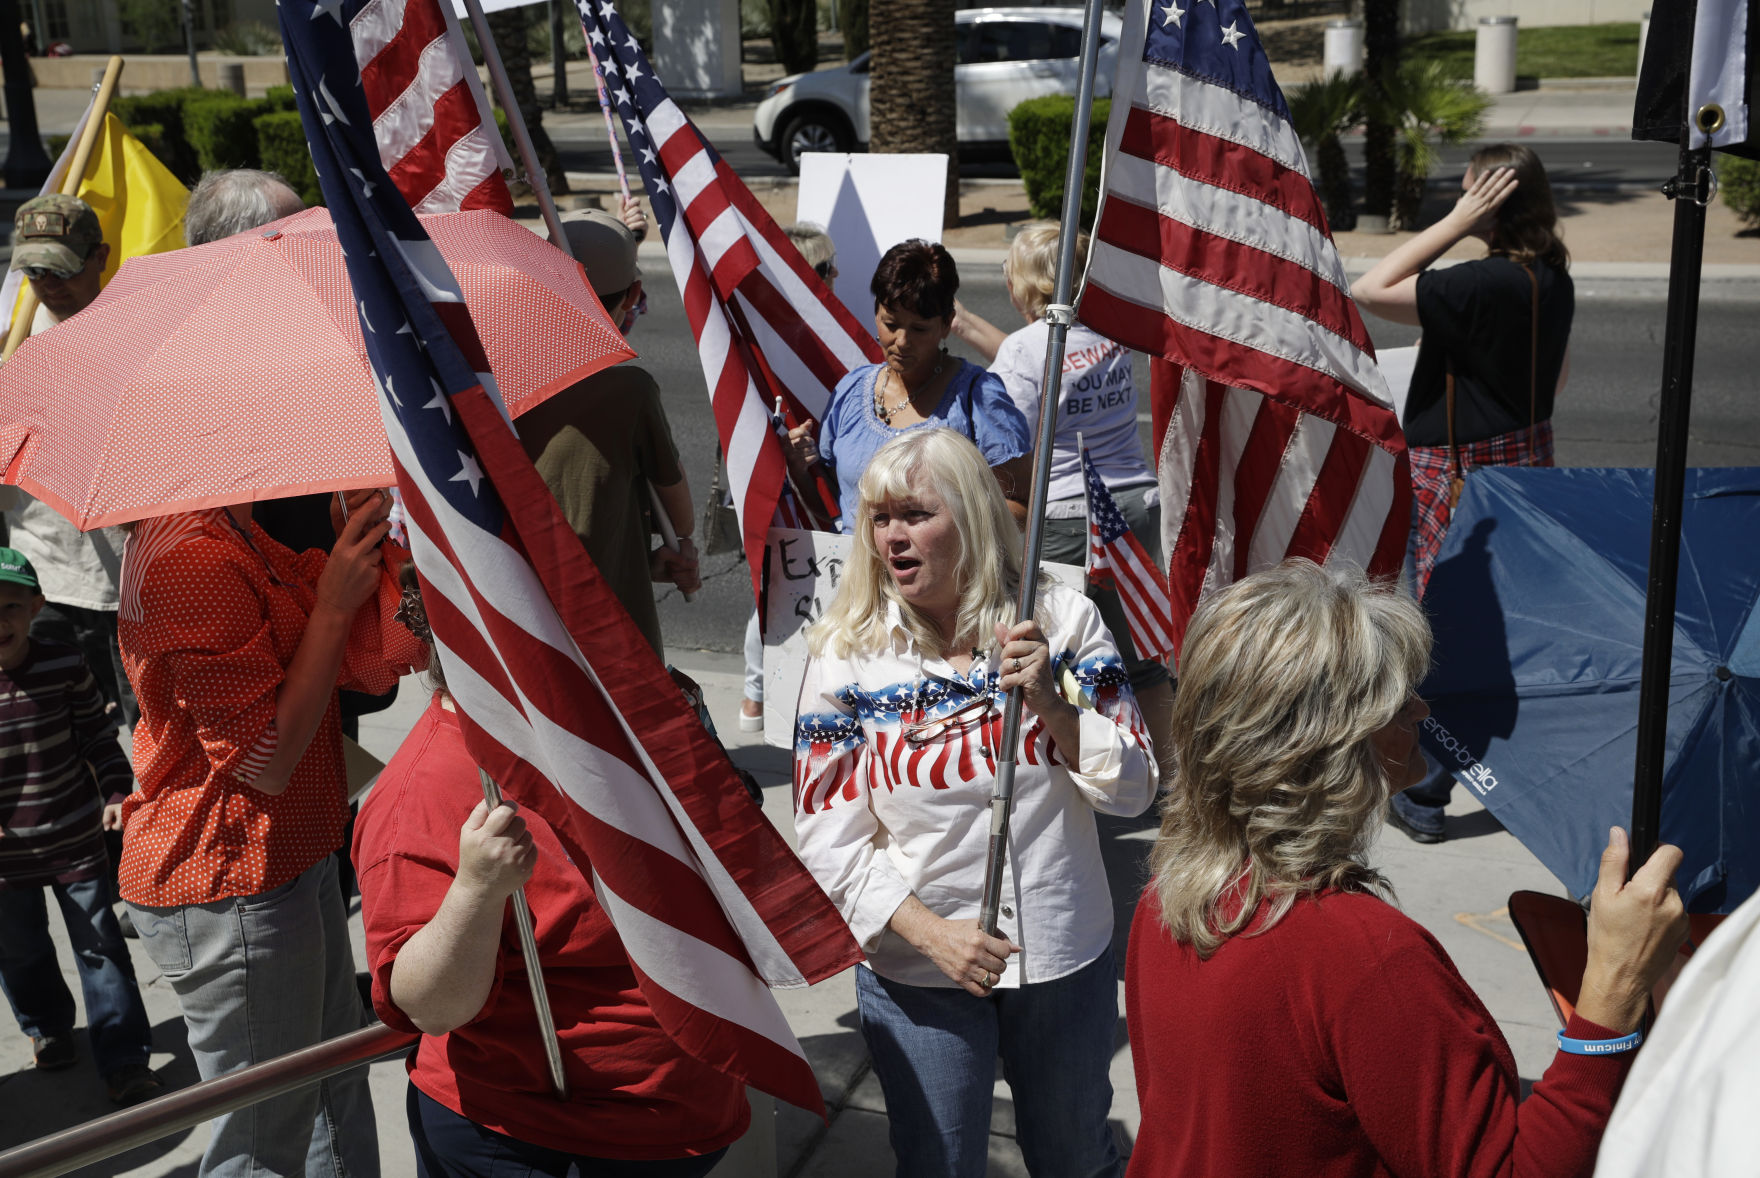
(1600, 1046)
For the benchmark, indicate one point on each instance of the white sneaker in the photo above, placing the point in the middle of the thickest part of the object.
(749, 722)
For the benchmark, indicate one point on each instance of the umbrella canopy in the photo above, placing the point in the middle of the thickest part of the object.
(235, 371)
(1538, 605)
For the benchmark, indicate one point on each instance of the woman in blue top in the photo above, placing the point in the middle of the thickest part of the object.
(918, 385)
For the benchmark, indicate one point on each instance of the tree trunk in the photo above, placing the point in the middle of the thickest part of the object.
(794, 32)
(1380, 54)
(508, 27)
(911, 97)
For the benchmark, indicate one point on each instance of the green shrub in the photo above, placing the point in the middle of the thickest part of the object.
(281, 98)
(281, 146)
(1039, 132)
(221, 131)
(1740, 181)
(164, 109)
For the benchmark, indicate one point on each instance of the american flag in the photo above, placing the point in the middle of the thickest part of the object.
(436, 133)
(1116, 558)
(765, 324)
(1274, 431)
(562, 701)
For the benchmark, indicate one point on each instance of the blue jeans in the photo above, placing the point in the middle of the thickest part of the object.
(451, 1146)
(935, 1049)
(257, 977)
(115, 1018)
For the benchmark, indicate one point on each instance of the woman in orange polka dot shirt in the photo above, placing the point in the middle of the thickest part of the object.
(236, 646)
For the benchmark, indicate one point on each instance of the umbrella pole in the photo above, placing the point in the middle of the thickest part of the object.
(528, 949)
(1059, 314)
(26, 307)
(516, 123)
(1691, 190)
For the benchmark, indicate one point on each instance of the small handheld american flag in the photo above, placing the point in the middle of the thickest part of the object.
(1118, 560)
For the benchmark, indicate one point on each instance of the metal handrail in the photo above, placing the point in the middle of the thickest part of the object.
(108, 1136)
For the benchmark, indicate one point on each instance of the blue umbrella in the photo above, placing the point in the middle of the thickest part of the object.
(1538, 605)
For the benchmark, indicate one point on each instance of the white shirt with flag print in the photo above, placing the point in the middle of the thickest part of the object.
(880, 817)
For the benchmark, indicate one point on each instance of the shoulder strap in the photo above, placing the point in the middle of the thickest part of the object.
(1454, 454)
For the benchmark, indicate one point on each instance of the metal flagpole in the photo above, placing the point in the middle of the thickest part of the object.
(1691, 189)
(528, 948)
(1059, 314)
(516, 123)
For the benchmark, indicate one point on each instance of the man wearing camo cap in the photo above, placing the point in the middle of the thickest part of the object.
(59, 247)
(57, 243)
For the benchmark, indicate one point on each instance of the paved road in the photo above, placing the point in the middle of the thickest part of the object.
(1607, 417)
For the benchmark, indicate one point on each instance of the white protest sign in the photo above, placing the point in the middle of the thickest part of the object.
(1397, 365)
(868, 204)
(802, 571)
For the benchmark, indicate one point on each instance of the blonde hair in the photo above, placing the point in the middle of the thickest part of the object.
(988, 571)
(1284, 678)
(1031, 269)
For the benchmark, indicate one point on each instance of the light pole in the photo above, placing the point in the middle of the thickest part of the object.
(189, 40)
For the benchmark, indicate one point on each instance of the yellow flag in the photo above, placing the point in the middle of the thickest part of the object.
(139, 203)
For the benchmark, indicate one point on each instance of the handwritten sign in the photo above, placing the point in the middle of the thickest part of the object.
(802, 573)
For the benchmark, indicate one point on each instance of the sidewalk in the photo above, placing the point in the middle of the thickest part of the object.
(1456, 890)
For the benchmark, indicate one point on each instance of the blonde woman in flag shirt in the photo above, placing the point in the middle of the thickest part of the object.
(897, 739)
(1097, 402)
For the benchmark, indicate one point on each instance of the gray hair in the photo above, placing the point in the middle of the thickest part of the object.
(236, 200)
(814, 243)
(1284, 678)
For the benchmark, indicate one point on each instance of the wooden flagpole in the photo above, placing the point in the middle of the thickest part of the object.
(26, 310)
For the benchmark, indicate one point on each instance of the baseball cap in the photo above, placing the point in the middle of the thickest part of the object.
(605, 247)
(54, 231)
(16, 569)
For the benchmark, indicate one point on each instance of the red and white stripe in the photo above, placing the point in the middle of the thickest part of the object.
(763, 323)
(436, 133)
(1274, 431)
(548, 681)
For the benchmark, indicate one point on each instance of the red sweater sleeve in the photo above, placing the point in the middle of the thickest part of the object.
(1434, 1085)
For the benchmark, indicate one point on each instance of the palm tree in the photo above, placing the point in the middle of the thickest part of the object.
(508, 27)
(1380, 58)
(1319, 110)
(794, 33)
(1426, 107)
(911, 97)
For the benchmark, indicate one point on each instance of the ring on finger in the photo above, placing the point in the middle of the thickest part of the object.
(1017, 664)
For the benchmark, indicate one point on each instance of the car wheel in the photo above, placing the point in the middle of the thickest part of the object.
(812, 132)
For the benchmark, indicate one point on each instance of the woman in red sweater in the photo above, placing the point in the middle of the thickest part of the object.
(1284, 1018)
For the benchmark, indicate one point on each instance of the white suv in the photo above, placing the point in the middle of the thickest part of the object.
(1004, 57)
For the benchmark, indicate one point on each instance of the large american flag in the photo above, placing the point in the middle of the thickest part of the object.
(437, 135)
(1274, 431)
(562, 701)
(766, 326)
(1117, 559)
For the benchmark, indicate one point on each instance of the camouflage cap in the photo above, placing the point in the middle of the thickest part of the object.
(55, 231)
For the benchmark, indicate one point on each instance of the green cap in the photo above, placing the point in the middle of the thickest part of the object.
(56, 231)
(15, 569)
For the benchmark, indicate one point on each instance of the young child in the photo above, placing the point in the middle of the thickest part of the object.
(62, 779)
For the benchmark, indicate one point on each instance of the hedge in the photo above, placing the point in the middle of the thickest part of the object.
(164, 108)
(1039, 133)
(1739, 180)
(281, 147)
(220, 130)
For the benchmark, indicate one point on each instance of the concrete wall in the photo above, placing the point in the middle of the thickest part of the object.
(697, 47)
(142, 72)
(1424, 16)
(94, 26)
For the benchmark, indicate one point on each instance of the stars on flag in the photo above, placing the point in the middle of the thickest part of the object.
(439, 401)
(1232, 35)
(469, 471)
(1171, 15)
(330, 8)
(332, 112)
(367, 185)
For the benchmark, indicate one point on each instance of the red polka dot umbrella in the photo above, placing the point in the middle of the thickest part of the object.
(234, 371)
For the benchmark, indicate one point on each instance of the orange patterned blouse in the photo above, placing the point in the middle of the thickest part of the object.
(211, 615)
